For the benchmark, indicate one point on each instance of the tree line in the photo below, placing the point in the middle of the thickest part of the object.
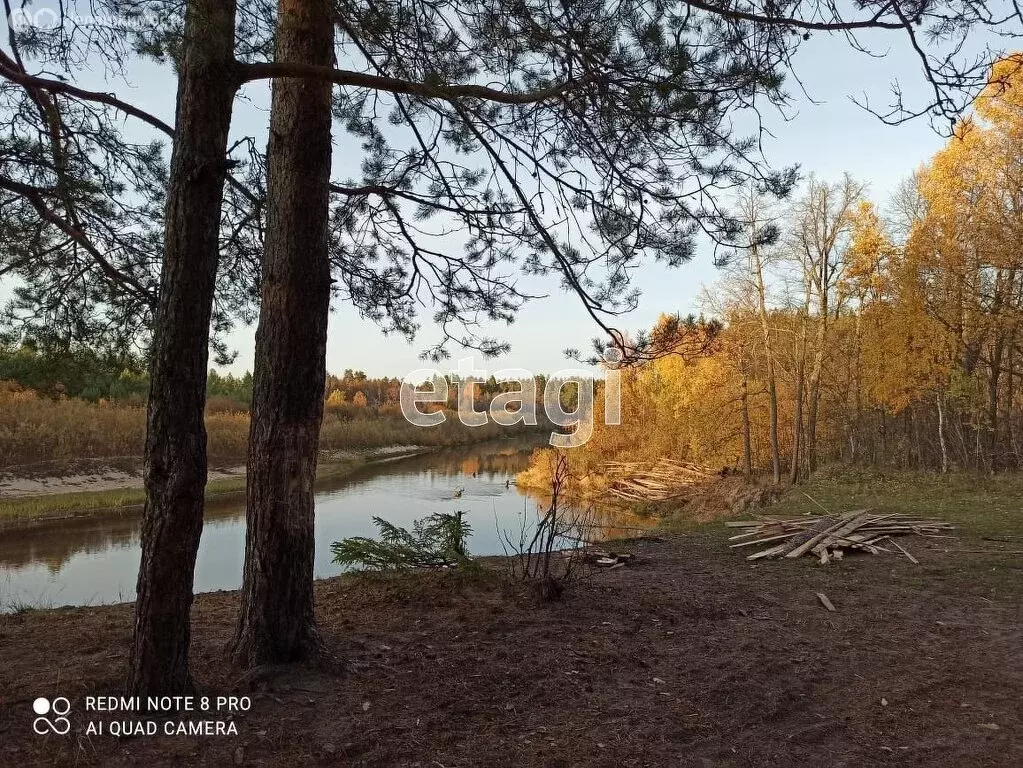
(848, 332)
(102, 375)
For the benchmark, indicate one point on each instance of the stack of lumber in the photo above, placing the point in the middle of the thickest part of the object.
(831, 536)
(654, 481)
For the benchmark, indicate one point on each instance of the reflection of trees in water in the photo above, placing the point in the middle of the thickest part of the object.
(55, 543)
(487, 460)
(592, 522)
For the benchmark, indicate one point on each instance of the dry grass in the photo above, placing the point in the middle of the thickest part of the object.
(385, 426)
(35, 430)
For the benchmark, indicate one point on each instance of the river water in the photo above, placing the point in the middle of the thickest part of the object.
(92, 561)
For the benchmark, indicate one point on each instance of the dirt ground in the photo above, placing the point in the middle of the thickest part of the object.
(99, 477)
(690, 657)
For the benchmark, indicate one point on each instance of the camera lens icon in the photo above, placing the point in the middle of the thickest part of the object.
(59, 724)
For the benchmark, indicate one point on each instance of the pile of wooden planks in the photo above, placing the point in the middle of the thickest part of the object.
(654, 481)
(831, 536)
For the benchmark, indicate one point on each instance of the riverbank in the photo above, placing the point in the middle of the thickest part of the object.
(691, 656)
(118, 487)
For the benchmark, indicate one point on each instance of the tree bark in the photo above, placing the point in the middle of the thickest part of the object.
(277, 621)
(941, 433)
(175, 451)
(772, 383)
(815, 390)
(797, 419)
(747, 448)
(1010, 382)
(993, 377)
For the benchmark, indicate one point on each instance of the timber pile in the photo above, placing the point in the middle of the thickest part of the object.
(830, 537)
(654, 481)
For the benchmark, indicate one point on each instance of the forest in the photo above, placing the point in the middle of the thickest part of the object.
(62, 405)
(848, 330)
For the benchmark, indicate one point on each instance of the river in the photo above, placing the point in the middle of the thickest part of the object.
(94, 560)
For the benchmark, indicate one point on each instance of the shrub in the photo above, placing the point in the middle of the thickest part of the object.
(224, 404)
(437, 541)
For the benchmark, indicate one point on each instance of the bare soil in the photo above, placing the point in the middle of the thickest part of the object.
(108, 474)
(99, 477)
(690, 657)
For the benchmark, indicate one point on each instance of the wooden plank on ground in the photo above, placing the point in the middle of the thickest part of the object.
(842, 532)
(761, 541)
(825, 602)
(903, 551)
(814, 540)
(768, 552)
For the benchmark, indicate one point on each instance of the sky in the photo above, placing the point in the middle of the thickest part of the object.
(825, 133)
(827, 138)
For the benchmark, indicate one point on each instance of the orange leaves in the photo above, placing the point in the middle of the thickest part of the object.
(868, 257)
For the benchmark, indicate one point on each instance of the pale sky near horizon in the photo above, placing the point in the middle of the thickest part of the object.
(826, 138)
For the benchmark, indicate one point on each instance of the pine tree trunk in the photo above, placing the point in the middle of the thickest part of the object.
(175, 451)
(277, 622)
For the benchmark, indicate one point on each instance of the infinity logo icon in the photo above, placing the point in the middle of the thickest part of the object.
(59, 725)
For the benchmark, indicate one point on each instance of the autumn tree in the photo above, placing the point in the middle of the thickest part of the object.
(816, 246)
(758, 252)
(963, 256)
(922, 337)
(866, 286)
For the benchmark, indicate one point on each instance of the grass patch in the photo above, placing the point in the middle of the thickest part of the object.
(986, 510)
(980, 506)
(18, 608)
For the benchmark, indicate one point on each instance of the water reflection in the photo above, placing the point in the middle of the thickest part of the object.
(95, 560)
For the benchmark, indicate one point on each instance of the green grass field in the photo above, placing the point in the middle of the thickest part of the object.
(987, 512)
(980, 506)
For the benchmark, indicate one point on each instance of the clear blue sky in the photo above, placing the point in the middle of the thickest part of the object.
(827, 138)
